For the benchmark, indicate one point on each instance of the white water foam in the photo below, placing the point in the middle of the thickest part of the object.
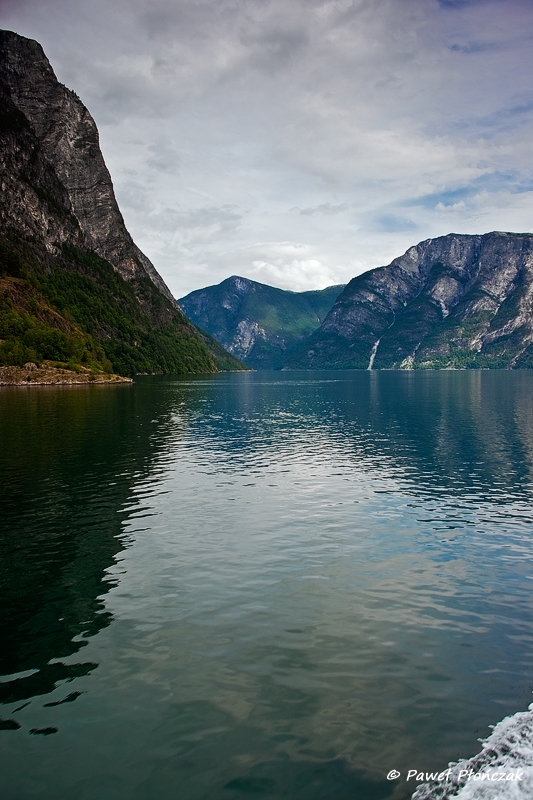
(507, 751)
(373, 354)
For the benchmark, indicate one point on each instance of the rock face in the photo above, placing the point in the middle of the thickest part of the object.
(68, 140)
(258, 324)
(74, 287)
(452, 302)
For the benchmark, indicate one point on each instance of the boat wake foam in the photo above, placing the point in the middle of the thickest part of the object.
(502, 771)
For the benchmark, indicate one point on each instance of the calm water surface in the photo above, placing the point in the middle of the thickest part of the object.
(275, 585)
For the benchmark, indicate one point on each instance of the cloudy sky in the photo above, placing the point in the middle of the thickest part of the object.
(299, 142)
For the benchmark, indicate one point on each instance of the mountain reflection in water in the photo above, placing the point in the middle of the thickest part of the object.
(290, 583)
(69, 459)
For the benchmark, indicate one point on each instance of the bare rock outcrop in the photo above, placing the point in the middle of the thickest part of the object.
(68, 138)
(458, 301)
(74, 287)
(257, 323)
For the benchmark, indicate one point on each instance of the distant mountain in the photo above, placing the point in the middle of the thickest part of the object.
(452, 302)
(74, 287)
(258, 324)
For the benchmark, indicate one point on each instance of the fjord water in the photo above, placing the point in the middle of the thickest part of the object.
(280, 585)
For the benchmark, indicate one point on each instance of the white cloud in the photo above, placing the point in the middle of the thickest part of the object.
(323, 208)
(298, 276)
(355, 128)
(460, 206)
(163, 156)
(289, 266)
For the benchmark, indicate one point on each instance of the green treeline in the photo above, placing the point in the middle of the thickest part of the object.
(76, 310)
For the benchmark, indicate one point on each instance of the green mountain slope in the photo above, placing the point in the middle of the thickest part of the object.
(75, 309)
(258, 324)
(74, 288)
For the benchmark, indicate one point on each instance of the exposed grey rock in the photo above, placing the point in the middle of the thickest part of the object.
(455, 301)
(255, 322)
(69, 140)
(71, 277)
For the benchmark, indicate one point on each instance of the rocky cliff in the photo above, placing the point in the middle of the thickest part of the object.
(74, 287)
(259, 324)
(452, 302)
(68, 139)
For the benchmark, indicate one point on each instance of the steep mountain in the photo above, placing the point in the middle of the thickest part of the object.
(452, 302)
(74, 287)
(258, 323)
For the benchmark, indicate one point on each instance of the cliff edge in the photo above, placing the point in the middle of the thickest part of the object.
(457, 301)
(74, 287)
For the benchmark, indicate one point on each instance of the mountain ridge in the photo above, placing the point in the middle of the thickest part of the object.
(456, 301)
(75, 289)
(256, 322)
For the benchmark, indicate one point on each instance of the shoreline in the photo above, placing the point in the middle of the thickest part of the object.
(48, 375)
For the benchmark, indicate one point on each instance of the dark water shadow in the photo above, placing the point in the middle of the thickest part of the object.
(68, 461)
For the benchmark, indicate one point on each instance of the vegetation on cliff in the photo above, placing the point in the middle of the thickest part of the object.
(259, 324)
(74, 288)
(77, 311)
